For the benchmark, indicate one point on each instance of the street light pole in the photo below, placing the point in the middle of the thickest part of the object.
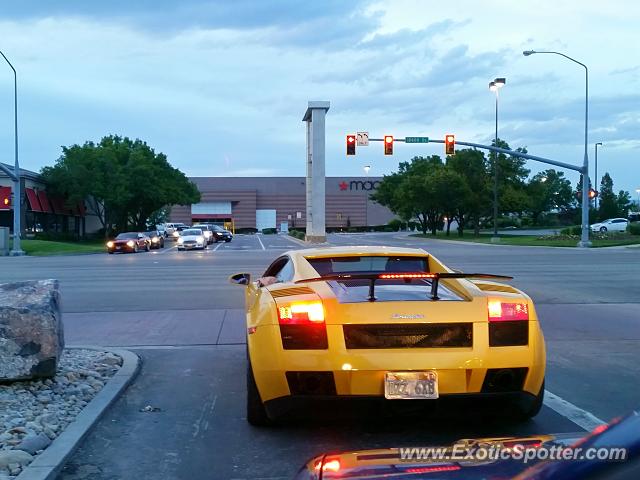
(638, 192)
(584, 238)
(596, 174)
(495, 86)
(17, 191)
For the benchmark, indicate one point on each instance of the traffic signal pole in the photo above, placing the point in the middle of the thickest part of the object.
(583, 170)
(17, 190)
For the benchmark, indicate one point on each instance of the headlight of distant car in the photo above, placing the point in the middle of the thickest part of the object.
(200, 240)
(176, 234)
(155, 239)
(130, 243)
(180, 240)
(207, 234)
(109, 244)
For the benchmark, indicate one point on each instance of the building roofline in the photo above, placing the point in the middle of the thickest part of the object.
(23, 173)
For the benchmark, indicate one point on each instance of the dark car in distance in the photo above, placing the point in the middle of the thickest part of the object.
(221, 234)
(129, 242)
(156, 237)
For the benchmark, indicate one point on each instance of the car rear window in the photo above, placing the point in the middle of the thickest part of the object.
(363, 264)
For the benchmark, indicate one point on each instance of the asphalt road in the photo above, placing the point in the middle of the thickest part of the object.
(176, 310)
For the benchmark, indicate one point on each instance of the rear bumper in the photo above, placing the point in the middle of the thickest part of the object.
(301, 405)
(361, 372)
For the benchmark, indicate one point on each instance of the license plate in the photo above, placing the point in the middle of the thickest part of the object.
(411, 385)
(118, 248)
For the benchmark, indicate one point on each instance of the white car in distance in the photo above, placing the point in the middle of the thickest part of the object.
(611, 225)
(191, 239)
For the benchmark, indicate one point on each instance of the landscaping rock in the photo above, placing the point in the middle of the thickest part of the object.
(31, 331)
(32, 443)
(14, 457)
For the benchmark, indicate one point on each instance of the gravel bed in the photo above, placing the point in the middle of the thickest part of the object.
(33, 413)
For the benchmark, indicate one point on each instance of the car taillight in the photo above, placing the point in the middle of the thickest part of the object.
(302, 326)
(301, 313)
(508, 323)
(505, 312)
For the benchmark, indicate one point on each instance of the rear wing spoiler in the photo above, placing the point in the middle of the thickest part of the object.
(372, 277)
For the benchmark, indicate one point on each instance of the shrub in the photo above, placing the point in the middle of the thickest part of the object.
(573, 230)
(634, 228)
(297, 234)
(396, 225)
(269, 231)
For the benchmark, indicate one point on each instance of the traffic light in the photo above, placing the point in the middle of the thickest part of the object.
(351, 144)
(388, 145)
(592, 194)
(449, 144)
(5, 198)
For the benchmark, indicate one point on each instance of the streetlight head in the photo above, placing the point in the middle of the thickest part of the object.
(526, 53)
(492, 86)
(599, 143)
(367, 168)
(500, 82)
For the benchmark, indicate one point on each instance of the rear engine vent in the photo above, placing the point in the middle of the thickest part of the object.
(409, 335)
(507, 334)
(289, 292)
(311, 383)
(491, 287)
(500, 380)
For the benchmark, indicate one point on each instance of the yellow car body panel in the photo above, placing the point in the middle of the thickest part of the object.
(361, 372)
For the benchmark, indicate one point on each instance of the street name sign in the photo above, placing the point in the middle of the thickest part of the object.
(416, 140)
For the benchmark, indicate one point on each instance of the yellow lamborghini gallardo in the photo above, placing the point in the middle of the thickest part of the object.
(386, 322)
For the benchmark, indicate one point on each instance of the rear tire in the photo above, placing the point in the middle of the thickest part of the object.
(525, 413)
(256, 413)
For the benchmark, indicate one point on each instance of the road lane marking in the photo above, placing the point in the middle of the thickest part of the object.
(261, 244)
(217, 246)
(580, 417)
(166, 250)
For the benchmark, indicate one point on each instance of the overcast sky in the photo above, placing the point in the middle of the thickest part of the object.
(221, 86)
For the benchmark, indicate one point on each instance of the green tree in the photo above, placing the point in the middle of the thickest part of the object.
(608, 202)
(411, 192)
(548, 190)
(624, 203)
(471, 166)
(123, 181)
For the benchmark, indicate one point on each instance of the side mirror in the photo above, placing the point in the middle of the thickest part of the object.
(240, 279)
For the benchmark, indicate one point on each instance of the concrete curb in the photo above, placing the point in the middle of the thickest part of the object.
(49, 463)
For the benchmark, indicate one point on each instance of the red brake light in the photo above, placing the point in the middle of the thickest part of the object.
(331, 466)
(393, 276)
(301, 313)
(506, 312)
(444, 468)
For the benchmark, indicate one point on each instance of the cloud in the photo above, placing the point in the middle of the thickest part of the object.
(204, 81)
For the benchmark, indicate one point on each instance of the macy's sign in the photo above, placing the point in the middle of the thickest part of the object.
(364, 185)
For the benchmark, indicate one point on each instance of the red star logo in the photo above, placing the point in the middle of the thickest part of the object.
(343, 185)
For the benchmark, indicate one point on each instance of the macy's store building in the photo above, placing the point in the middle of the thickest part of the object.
(267, 202)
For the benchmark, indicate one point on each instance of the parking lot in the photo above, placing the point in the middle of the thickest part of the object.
(177, 311)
